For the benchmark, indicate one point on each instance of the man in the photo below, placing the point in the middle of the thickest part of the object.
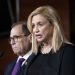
(21, 46)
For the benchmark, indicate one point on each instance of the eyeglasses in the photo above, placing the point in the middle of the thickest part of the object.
(16, 38)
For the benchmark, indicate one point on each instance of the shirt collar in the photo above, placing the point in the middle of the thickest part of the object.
(25, 56)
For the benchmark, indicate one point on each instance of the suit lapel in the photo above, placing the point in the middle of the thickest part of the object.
(10, 68)
(29, 61)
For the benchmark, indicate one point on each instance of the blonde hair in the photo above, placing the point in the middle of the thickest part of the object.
(51, 15)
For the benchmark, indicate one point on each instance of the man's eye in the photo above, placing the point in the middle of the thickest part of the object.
(16, 36)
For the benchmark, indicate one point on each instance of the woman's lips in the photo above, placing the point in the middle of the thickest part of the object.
(38, 36)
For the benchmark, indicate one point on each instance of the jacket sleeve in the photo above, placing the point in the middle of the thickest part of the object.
(68, 61)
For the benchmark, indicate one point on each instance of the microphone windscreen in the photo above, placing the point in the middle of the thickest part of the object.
(1, 53)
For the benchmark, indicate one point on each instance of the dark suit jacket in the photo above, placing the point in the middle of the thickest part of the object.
(23, 70)
(10, 67)
(60, 63)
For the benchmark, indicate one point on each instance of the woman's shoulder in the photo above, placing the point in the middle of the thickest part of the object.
(68, 48)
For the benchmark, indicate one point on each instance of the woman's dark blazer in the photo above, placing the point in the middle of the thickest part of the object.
(60, 63)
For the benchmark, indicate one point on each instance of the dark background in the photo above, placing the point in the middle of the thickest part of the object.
(66, 9)
(72, 21)
(5, 20)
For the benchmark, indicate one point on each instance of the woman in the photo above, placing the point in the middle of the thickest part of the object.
(54, 54)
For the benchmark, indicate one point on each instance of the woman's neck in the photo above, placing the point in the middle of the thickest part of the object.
(46, 47)
(47, 43)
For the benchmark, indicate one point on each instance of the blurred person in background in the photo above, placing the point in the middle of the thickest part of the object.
(21, 46)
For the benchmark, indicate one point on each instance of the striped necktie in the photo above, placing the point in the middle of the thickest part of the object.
(17, 67)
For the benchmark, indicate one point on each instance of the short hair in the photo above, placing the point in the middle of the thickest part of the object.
(24, 26)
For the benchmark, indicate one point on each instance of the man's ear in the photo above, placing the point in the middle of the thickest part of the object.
(30, 38)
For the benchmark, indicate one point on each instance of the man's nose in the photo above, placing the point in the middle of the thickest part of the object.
(12, 41)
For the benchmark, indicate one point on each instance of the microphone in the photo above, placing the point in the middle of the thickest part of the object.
(1, 53)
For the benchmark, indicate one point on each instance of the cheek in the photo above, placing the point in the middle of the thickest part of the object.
(25, 43)
(47, 32)
(44, 30)
(19, 45)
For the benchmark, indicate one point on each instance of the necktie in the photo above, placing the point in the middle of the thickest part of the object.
(17, 66)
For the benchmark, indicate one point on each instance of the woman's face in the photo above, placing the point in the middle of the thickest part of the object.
(42, 28)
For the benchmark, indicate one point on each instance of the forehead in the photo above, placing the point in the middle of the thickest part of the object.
(38, 17)
(17, 30)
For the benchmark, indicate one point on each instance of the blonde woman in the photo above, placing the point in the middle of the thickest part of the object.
(54, 54)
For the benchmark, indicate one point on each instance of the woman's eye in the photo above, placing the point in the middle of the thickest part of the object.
(40, 23)
(33, 26)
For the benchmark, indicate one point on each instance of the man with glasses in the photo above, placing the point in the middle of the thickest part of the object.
(21, 46)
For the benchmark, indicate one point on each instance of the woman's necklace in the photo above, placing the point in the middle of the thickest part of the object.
(46, 49)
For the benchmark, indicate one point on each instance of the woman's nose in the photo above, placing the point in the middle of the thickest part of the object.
(36, 29)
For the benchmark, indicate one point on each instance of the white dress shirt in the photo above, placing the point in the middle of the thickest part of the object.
(25, 57)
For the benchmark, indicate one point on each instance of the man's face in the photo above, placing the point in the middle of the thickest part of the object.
(19, 41)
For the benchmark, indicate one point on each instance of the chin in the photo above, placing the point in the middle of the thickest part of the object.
(16, 52)
(39, 40)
